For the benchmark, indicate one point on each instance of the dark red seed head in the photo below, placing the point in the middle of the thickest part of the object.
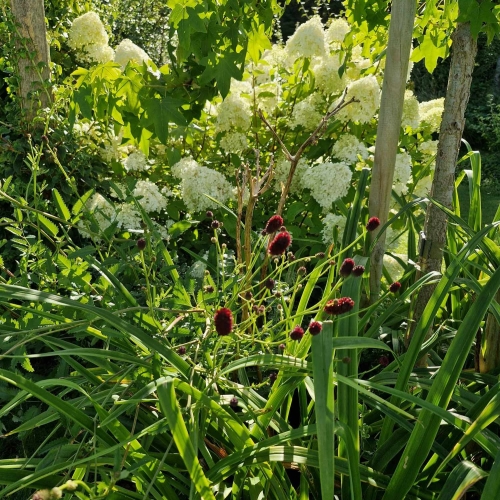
(181, 350)
(339, 306)
(373, 223)
(301, 271)
(394, 287)
(280, 243)
(346, 267)
(209, 214)
(141, 244)
(273, 224)
(215, 224)
(315, 327)
(272, 377)
(223, 320)
(297, 333)
(282, 347)
(320, 255)
(233, 402)
(346, 360)
(270, 283)
(358, 270)
(383, 361)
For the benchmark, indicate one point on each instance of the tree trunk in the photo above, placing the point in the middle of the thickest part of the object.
(464, 50)
(489, 352)
(33, 52)
(389, 127)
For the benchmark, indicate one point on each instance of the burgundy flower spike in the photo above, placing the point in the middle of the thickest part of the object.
(373, 223)
(347, 267)
(280, 243)
(273, 224)
(315, 327)
(297, 333)
(394, 287)
(339, 306)
(223, 320)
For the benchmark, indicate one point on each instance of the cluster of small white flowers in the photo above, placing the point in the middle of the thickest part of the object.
(428, 148)
(402, 172)
(268, 96)
(348, 147)
(367, 91)
(197, 270)
(197, 181)
(281, 171)
(326, 72)
(128, 217)
(98, 53)
(88, 36)
(240, 87)
(327, 182)
(152, 200)
(234, 142)
(276, 56)
(113, 149)
(233, 113)
(128, 51)
(103, 213)
(357, 63)
(87, 30)
(411, 115)
(305, 113)
(329, 223)
(337, 31)
(423, 187)
(308, 40)
(431, 114)
(136, 162)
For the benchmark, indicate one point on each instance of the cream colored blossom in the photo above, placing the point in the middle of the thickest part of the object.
(234, 142)
(233, 113)
(326, 73)
(330, 222)
(402, 172)
(428, 148)
(127, 51)
(367, 91)
(348, 147)
(431, 114)
(136, 162)
(305, 113)
(337, 31)
(411, 115)
(87, 30)
(149, 196)
(308, 40)
(281, 171)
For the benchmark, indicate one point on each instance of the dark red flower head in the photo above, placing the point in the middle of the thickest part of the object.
(280, 243)
(297, 333)
(233, 402)
(223, 320)
(347, 267)
(273, 224)
(315, 327)
(383, 361)
(141, 244)
(394, 287)
(358, 270)
(373, 223)
(270, 283)
(339, 306)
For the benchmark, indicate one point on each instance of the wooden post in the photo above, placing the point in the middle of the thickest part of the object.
(33, 64)
(389, 127)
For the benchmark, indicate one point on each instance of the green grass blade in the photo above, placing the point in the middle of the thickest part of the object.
(322, 353)
(171, 410)
(492, 486)
(440, 394)
(463, 476)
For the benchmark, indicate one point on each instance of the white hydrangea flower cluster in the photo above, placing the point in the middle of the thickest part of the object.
(328, 182)
(88, 35)
(337, 31)
(152, 199)
(308, 40)
(127, 51)
(402, 172)
(234, 142)
(423, 187)
(367, 91)
(103, 212)
(326, 72)
(136, 162)
(276, 56)
(267, 96)
(411, 113)
(428, 148)
(348, 147)
(197, 181)
(233, 113)
(329, 223)
(431, 114)
(357, 64)
(305, 113)
(113, 148)
(128, 217)
(281, 171)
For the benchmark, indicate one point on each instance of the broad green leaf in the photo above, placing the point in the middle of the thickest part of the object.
(258, 42)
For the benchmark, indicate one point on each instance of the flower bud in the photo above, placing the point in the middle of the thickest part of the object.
(141, 244)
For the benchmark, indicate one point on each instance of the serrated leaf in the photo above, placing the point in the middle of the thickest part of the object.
(162, 111)
(77, 207)
(47, 225)
(61, 207)
(257, 43)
